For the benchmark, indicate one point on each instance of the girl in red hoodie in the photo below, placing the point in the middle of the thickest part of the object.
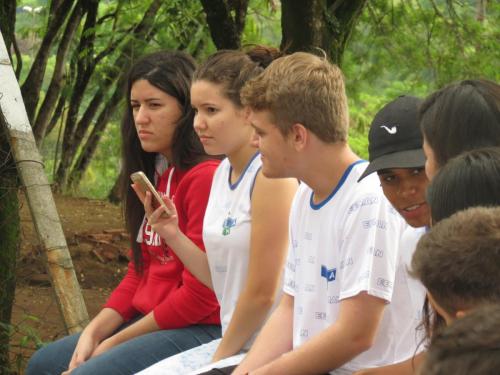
(159, 309)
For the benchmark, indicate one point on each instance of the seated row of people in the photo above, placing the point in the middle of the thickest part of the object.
(344, 236)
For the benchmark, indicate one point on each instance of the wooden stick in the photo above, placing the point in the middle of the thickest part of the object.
(41, 202)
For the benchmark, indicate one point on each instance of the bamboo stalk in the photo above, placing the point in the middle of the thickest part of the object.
(40, 200)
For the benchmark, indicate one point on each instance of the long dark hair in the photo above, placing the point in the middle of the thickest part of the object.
(468, 180)
(460, 117)
(171, 72)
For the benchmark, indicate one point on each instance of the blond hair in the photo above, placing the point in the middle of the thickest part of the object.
(301, 88)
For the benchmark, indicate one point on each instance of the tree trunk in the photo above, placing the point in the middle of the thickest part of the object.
(224, 29)
(480, 10)
(115, 195)
(319, 24)
(41, 203)
(8, 30)
(85, 68)
(9, 237)
(54, 90)
(90, 146)
(33, 82)
(57, 114)
(73, 138)
(72, 142)
(342, 19)
(8, 23)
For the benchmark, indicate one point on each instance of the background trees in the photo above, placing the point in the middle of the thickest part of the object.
(327, 24)
(9, 235)
(74, 53)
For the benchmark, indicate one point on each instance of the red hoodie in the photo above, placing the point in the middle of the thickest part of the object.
(177, 298)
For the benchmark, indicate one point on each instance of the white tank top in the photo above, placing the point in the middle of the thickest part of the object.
(226, 233)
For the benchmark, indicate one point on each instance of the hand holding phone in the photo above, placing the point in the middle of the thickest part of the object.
(144, 185)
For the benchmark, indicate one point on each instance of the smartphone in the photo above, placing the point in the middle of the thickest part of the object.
(142, 181)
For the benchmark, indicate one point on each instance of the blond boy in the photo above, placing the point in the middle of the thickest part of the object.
(334, 315)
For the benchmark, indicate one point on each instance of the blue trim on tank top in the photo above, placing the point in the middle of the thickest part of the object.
(339, 185)
(235, 185)
(253, 182)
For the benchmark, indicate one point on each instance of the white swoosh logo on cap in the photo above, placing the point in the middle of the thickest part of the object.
(392, 130)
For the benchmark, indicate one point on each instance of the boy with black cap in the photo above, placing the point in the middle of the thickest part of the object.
(396, 154)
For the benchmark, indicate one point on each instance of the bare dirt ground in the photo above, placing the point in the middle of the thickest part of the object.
(98, 246)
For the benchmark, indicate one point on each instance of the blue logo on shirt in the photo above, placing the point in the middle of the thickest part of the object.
(328, 274)
(228, 223)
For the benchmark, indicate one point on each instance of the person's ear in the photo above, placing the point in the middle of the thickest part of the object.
(299, 136)
(440, 310)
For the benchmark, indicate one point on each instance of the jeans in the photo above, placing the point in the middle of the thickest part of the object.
(127, 358)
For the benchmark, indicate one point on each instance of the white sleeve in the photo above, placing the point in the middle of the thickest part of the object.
(369, 248)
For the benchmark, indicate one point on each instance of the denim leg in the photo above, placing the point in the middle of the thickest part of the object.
(127, 358)
(52, 358)
(143, 351)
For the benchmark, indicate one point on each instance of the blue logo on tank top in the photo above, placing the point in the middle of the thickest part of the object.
(328, 274)
(228, 223)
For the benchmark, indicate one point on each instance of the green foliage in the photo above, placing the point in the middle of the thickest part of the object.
(105, 167)
(359, 143)
(178, 23)
(22, 337)
(423, 44)
(31, 18)
(262, 24)
(398, 47)
(414, 47)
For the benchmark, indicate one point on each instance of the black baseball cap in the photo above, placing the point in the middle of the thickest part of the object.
(395, 139)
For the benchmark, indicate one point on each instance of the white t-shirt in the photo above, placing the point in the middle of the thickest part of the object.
(345, 245)
(226, 234)
(408, 298)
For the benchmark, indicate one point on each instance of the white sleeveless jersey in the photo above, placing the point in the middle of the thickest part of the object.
(341, 247)
(226, 233)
